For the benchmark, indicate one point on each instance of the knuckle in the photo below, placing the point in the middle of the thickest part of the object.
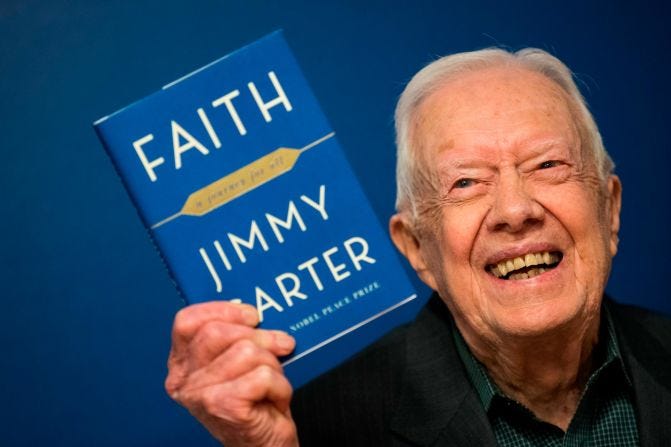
(241, 416)
(191, 400)
(265, 373)
(170, 385)
(182, 322)
(246, 348)
(173, 383)
(221, 406)
(211, 403)
(211, 331)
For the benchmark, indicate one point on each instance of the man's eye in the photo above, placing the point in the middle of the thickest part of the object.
(464, 183)
(548, 164)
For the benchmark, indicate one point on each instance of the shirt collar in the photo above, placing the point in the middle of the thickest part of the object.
(487, 389)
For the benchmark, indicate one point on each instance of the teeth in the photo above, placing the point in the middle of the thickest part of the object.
(530, 259)
(519, 276)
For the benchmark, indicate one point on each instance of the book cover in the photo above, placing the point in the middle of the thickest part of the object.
(248, 196)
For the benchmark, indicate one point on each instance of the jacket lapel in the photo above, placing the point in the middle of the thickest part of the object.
(438, 405)
(644, 342)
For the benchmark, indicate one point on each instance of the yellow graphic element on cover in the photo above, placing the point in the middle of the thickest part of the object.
(240, 182)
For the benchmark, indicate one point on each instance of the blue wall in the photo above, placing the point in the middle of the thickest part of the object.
(87, 305)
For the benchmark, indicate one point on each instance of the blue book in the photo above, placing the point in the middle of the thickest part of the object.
(245, 190)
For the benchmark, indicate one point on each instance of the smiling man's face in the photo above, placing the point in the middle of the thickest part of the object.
(525, 230)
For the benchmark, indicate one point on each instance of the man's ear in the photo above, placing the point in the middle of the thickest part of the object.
(403, 235)
(615, 205)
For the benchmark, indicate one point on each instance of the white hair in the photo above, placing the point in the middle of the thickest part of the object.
(411, 175)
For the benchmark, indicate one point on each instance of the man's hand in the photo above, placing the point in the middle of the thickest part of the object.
(226, 373)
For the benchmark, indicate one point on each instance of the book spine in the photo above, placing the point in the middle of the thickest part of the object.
(99, 129)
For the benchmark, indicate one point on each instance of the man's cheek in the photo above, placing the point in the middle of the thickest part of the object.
(455, 251)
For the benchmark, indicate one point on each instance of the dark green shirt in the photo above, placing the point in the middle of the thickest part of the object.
(604, 417)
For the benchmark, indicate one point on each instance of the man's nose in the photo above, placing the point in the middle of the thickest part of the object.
(515, 208)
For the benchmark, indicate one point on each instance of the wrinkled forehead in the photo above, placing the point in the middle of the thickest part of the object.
(497, 104)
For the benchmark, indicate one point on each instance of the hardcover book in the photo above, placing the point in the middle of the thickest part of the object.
(242, 184)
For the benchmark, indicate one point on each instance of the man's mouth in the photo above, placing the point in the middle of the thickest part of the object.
(526, 266)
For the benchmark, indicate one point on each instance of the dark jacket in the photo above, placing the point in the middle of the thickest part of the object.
(410, 388)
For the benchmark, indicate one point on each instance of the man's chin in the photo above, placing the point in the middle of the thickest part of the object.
(536, 317)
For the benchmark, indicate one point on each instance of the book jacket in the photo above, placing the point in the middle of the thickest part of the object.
(248, 196)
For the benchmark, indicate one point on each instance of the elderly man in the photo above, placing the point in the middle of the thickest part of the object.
(509, 210)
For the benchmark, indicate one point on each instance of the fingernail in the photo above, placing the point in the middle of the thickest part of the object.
(250, 316)
(284, 341)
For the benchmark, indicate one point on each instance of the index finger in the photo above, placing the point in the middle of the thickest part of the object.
(191, 318)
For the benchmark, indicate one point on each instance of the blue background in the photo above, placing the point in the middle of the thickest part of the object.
(86, 303)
